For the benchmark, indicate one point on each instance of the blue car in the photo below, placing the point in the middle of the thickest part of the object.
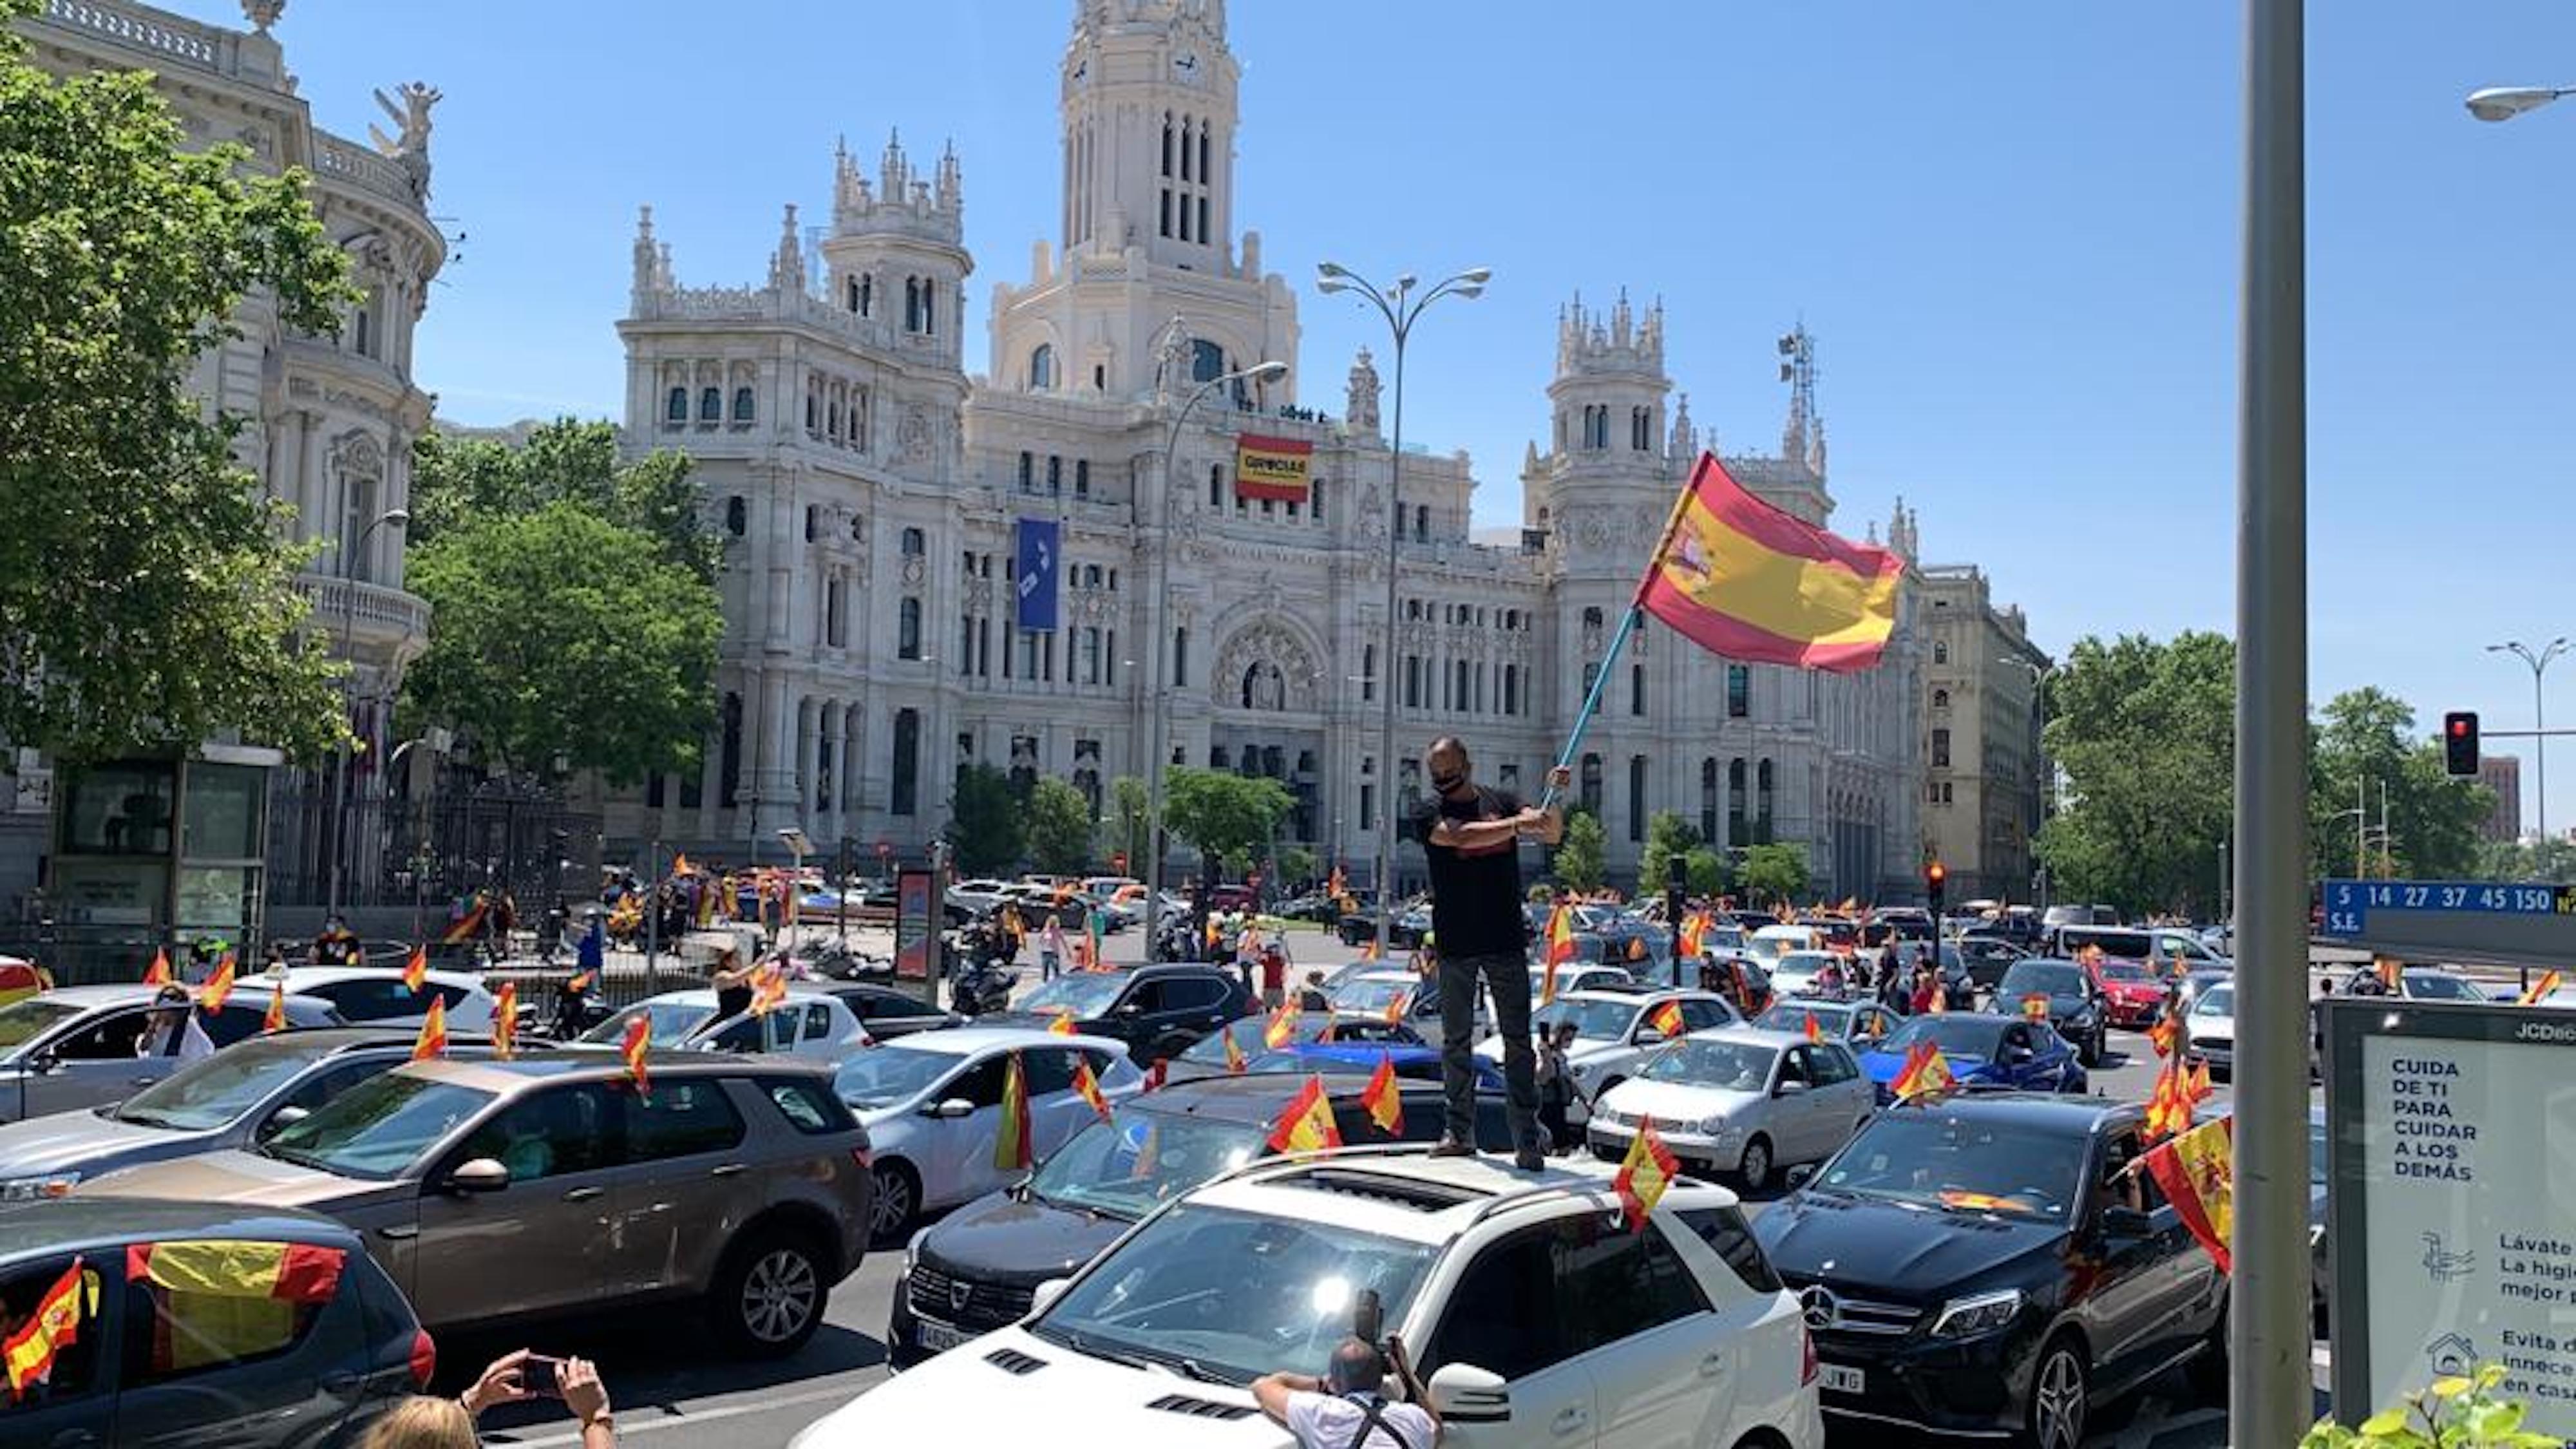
(1983, 1050)
(1412, 1063)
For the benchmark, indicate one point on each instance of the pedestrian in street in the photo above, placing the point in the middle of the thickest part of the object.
(1274, 976)
(1893, 993)
(1471, 841)
(1557, 1088)
(1927, 990)
(732, 981)
(1312, 997)
(1887, 960)
(1051, 950)
(1347, 1408)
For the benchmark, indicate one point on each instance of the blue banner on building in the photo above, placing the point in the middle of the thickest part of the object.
(1035, 576)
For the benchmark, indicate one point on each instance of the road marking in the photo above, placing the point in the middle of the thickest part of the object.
(630, 1428)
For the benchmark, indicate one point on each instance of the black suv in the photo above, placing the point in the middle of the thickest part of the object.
(1157, 1010)
(975, 1269)
(2075, 1005)
(1985, 1266)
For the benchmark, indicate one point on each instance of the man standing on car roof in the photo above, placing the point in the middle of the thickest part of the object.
(1471, 840)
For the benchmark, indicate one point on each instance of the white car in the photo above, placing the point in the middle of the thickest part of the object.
(932, 1104)
(1576, 976)
(1795, 973)
(1740, 1100)
(1614, 1033)
(811, 1023)
(1370, 991)
(1541, 1319)
(376, 996)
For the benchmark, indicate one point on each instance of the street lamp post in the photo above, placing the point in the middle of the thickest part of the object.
(2503, 103)
(1159, 636)
(348, 626)
(1400, 307)
(2539, 662)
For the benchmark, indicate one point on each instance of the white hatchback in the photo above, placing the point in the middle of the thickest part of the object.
(1541, 1316)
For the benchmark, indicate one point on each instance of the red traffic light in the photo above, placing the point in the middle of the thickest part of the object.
(2459, 727)
(1936, 873)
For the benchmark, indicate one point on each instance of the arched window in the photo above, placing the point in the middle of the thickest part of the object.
(907, 633)
(742, 404)
(675, 408)
(1739, 691)
(1081, 477)
(914, 545)
(867, 294)
(813, 413)
(1636, 689)
(1042, 368)
(1216, 485)
(1180, 657)
(1637, 798)
(905, 797)
(1511, 689)
(711, 405)
(912, 304)
(853, 285)
(1762, 799)
(929, 308)
(365, 343)
(1592, 618)
(737, 516)
(1940, 699)
(1028, 471)
(1413, 681)
(1055, 474)
(1940, 749)
(1207, 360)
(832, 419)
(1708, 799)
(1940, 652)
(1422, 522)
(1735, 802)
(1590, 785)
(810, 512)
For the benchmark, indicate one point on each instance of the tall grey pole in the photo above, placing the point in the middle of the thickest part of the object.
(2269, 1398)
(652, 922)
(2540, 753)
(348, 680)
(1386, 773)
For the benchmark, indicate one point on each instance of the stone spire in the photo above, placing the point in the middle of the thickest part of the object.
(1816, 451)
(652, 259)
(951, 190)
(1901, 535)
(1359, 410)
(1684, 445)
(787, 265)
(262, 13)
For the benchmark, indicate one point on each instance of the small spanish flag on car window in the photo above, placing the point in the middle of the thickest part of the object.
(1306, 1123)
(1087, 1087)
(30, 1350)
(1926, 1073)
(1667, 1018)
(1383, 1098)
(637, 1041)
(1644, 1174)
(432, 1041)
(1012, 1149)
(505, 1020)
(218, 988)
(1234, 1062)
(416, 970)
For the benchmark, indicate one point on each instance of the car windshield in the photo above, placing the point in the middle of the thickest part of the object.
(1733, 1066)
(2215, 1001)
(26, 1018)
(883, 1076)
(2041, 978)
(1595, 1020)
(1792, 1016)
(672, 1021)
(1803, 963)
(378, 1127)
(1956, 1036)
(1232, 1295)
(1966, 1163)
(1127, 1166)
(2439, 986)
(1767, 949)
(1087, 995)
(2136, 945)
(215, 1090)
(2114, 969)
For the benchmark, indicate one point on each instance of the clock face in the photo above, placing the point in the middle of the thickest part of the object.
(1186, 65)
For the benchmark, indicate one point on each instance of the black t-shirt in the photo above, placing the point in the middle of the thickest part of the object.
(1475, 896)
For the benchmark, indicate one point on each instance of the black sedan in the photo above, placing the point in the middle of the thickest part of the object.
(1988, 1267)
(1158, 1010)
(2075, 1005)
(975, 1269)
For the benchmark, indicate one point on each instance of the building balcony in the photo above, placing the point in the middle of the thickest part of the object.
(382, 624)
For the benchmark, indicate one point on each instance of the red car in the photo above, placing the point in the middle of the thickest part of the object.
(2132, 997)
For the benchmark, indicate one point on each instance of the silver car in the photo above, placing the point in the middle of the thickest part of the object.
(74, 1047)
(2209, 1028)
(1739, 1100)
(235, 1098)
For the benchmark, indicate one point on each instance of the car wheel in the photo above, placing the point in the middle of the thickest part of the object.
(895, 1203)
(1755, 1169)
(2089, 1052)
(2059, 1398)
(769, 1298)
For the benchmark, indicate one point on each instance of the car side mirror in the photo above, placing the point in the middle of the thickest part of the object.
(2125, 1222)
(1132, 1008)
(1790, 1089)
(281, 1119)
(949, 1107)
(1799, 1176)
(1649, 1035)
(45, 1064)
(1462, 1393)
(1046, 1295)
(481, 1174)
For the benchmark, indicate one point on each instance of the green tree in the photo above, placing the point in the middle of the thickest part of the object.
(2366, 746)
(1058, 827)
(1707, 872)
(1297, 864)
(984, 821)
(1579, 852)
(1776, 872)
(560, 634)
(1226, 816)
(147, 588)
(2541, 860)
(458, 480)
(1131, 818)
(1668, 836)
(2145, 732)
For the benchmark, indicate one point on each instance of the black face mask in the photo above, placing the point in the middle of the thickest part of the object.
(1446, 783)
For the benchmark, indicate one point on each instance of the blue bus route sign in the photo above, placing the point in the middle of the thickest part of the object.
(2349, 904)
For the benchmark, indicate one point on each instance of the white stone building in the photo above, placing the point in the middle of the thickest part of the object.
(868, 490)
(331, 419)
(1985, 772)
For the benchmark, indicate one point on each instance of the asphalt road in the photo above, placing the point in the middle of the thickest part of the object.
(671, 1385)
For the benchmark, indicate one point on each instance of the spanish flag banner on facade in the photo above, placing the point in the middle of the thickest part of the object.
(1271, 468)
(1306, 1123)
(1012, 1148)
(1739, 577)
(1926, 1073)
(505, 1020)
(2197, 1171)
(1087, 1087)
(1383, 1099)
(1644, 1174)
(31, 1348)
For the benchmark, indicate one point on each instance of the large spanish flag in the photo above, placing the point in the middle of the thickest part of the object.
(225, 1299)
(2197, 1170)
(1741, 578)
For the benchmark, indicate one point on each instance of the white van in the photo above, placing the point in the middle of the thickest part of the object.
(1771, 943)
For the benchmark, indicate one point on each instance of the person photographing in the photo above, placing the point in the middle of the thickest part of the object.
(1347, 1407)
(1471, 839)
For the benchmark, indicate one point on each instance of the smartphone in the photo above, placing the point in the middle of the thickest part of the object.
(541, 1376)
(1367, 1317)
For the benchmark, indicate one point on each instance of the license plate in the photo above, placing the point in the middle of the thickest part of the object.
(1838, 1379)
(939, 1337)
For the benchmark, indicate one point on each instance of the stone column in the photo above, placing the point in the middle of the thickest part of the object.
(774, 773)
(808, 730)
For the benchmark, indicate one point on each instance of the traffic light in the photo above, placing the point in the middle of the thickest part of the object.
(1935, 876)
(2460, 742)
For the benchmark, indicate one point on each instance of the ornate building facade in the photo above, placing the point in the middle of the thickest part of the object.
(868, 492)
(1985, 773)
(330, 419)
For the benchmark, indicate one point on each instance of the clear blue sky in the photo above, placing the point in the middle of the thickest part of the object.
(2011, 224)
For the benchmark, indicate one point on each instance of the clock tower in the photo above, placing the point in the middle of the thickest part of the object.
(1146, 232)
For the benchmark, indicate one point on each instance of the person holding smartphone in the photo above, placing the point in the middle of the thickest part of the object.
(1347, 1408)
(422, 1422)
